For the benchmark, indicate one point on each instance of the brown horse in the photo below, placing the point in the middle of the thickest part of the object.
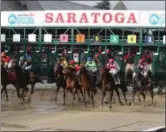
(87, 86)
(18, 79)
(60, 80)
(72, 83)
(108, 83)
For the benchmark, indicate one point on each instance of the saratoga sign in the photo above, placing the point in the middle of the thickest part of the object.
(78, 18)
(120, 18)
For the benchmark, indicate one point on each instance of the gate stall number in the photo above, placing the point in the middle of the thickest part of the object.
(64, 38)
(114, 39)
(80, 38)
(131, 39)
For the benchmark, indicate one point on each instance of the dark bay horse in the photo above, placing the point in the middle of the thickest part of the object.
(87, 85)
(59, 79)
(72, 83)
(5, 80)
(108, 83)
(141, 85)
(20, 79)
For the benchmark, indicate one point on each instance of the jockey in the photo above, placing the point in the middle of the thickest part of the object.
(91, 65)
(113, 69)
(5, 59)
(148, 58)
(128, 58)
(22, 61)
(75, 68)
(28, 65)
(143, 66)
(72, 65)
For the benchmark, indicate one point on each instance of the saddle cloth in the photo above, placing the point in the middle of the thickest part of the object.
(12, 76)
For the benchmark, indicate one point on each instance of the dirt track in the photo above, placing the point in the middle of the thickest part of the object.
(45, 114)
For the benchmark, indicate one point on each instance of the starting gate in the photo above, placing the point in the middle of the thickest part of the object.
(78, 41)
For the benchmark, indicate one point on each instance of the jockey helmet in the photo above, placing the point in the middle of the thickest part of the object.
(89, 58)
(72, 62)
(3, 54)
(111, 60)
(22, 58)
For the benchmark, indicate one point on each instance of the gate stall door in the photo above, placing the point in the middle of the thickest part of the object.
(51, 57)
(36, 59)
(44, 61)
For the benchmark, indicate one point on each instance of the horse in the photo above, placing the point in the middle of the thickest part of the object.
(72, 83)
(60, 80)
(108, 83)
(87, 85)
(128, 75)
(7, 79)
(11, 78)
(142, 85)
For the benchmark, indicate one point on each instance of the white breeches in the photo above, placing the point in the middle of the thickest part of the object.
(129, 66)
(10, 65)
(113, 71)
(149, 67)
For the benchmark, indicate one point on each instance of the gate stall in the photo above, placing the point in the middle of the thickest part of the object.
(47, 37)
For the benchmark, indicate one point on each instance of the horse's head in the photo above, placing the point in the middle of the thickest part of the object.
(83, 69)
(67, 70)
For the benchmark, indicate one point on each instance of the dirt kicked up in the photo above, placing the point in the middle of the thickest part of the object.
(43, 113)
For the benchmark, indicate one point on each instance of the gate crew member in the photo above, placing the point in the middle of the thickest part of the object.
(91, 65)
(113, 69)
(5, 59)
(128, 58)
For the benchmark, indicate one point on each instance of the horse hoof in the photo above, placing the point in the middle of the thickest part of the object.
(101, 106)
(110, 107)
(132, 104)
(106, 102)
(121, 103)
(85, 106)
(139, 100)
(143, 106)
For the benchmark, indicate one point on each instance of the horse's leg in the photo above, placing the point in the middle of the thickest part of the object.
(56, 93)
(139, 99)
(111, 95)
(78, 94)
(88, 92)
(64, 96)
(28, 94)
(73, 93)
(124, 95)
(32, 87)
(7, 98)
(152, 95)
(4, 88)
(144, 97)
(117, 92)
(92, 97)
(84, 97)
(103, 95)
(134, 92)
